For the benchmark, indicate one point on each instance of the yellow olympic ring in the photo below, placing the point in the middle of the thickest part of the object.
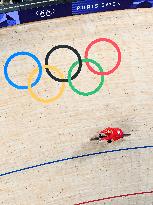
(52, 99)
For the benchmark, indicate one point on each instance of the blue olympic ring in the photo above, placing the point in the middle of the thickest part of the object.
(20, 87)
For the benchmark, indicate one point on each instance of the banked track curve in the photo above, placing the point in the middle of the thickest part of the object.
(74, 157)
(114, 197)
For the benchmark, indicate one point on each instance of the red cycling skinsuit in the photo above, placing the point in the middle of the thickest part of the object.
(112, 134)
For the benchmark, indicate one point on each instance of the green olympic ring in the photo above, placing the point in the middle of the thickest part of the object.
(78, 91)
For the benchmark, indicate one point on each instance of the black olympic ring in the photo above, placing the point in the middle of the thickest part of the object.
(79, 60)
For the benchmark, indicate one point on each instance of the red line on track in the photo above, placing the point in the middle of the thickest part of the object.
(113, 197)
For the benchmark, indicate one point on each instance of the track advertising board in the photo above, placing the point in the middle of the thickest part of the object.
(57, 10)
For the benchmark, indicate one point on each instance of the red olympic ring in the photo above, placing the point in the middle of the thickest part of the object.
(113, 44)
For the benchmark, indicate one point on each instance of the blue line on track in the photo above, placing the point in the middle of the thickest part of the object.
(71, 158)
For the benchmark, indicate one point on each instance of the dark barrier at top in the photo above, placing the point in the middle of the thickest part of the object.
(92, 6)
(47, 12)
(68, 9)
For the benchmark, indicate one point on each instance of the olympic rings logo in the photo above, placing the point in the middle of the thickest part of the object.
(60, 75)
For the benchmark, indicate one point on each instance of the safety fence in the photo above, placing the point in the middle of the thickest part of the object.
(31, 11)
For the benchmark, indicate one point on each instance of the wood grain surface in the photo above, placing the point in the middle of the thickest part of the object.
(33, 133)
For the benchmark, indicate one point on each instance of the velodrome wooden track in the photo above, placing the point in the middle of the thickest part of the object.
(32, 133)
